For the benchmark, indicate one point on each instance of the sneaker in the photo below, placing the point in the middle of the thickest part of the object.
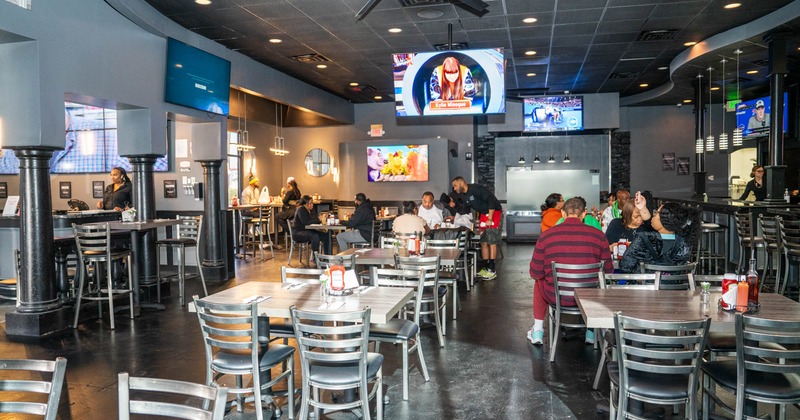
(589, 337)
(490, 275)
(483, 273)
(536, 337)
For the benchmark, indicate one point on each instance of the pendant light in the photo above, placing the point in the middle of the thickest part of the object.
(552, 159)
(710, 138)
(723, 138)
(522, 160)
(279, 145)
(737, 132)
(242, 136)
(698, 143)
(536, 159)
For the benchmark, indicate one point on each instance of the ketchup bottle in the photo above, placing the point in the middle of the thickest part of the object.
(337, 277)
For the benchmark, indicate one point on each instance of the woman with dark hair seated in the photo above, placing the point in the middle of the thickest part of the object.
(551, 210)
(676, 228)
(635, 219)
(305, 215)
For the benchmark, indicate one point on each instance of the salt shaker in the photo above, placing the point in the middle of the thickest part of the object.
(705, 287)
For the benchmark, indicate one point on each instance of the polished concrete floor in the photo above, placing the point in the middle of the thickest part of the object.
(487, 369)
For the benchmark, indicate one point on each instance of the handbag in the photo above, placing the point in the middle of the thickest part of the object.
(263, 197)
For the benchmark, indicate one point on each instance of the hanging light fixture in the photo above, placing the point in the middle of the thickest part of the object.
(698, 145)
(243, 135)
(710, 137)
(552, 159)
(536, 159)
(279, 147)
(723, 138)
(567, 159)
(737, 132)
(522, 160)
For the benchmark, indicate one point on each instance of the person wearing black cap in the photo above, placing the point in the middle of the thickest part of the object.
(760, 118)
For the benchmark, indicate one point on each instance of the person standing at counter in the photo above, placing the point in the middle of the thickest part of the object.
(360, 222)
(117, 195)
(480, 199)
(551, 210)
(756, 185)
(305, 215)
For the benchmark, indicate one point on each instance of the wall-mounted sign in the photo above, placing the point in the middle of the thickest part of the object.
(65, 189)
(170, 188)
(97, 189)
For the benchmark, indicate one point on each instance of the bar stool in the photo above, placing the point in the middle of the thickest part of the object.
(188, 235)
(770, 231)
(707, 247)
(260, 224)
(748, 240)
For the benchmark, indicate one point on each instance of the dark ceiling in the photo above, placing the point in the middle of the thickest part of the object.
(582, 46)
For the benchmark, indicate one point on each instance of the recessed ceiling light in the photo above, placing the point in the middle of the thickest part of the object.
(275, 40)
(663, 68)
(529, 20)
(203, 2)
(531, 52)
(322, 66)
(752, 72)
(531, 74)
(353, 83)
(690, 43)
(732, 5)
(395, 30)
(378, 98)
(687, 101)
(715, 88)
(643, 85)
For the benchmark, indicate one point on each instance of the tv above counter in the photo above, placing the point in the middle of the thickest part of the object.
(466, 82)
(552, 113)
(752, 116)
(397, 163)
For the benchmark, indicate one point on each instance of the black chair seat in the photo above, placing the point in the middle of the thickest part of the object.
(721, 342)
(8, 288)
(442, 292)
(334, 374)
(652, 385)
(759, 384)
(395, 329)
(276, 353)
(281, 326)
(177, 241)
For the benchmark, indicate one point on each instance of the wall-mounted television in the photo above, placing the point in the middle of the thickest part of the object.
(466, 82)
(552, 113)
(752, 116)
(197, 79)
(397, 163)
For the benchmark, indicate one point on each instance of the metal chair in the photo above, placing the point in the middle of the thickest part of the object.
(672, 277)
(95, 247)
(233, 348)
(387, 242)
(261, 223)
(325, 261)
(187, 235)
(748, 239)
(145, 402)
(766, 369)
(448, 274)
(398, 330)
(301, 246)
(374, 239)
(706, 248)
(658, 362)
(434, 296)
(771, 232)
(292, 277)
(790, 242)
(334, 355)
(18, 388)
(567, 278)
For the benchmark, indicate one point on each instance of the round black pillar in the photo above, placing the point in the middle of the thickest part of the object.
(144, 200)
(776, 170)
(213, 223)
(699, 128)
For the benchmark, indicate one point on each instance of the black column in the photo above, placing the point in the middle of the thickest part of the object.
(699, 133)
(144, 200)
(214, 227)
(776, 170)
(40, 311)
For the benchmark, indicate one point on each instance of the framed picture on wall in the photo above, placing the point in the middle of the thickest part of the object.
(97, 189)
(668, 161)
(65, 189)
(170, 188)
(682, 163)
(3, 190)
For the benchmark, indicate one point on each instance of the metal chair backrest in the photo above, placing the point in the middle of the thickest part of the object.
(301, 275)
(332, 337)
(430, 265)
(92, 240)
(415, 279)
(154, 398)
(745, 225)
(568, 277)
(377, 226)
(672, 277)
(191, 227)
(639, 281)
(714, 280)
(347, 261)
(659, 348)
(387, 242)
(18, 387)
(442, 243)
(770, 230)
(790, 236)
(228, 327)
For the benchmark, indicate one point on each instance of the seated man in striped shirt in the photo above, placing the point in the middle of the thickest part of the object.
(570, 242)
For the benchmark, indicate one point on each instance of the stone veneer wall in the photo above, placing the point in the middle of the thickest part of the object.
(620, 160)
(484, 162)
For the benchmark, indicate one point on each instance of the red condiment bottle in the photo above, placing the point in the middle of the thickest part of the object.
(741, 296)
(752, 283)
(337, 277)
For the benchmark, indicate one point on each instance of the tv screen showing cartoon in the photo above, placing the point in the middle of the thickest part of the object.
(552, 113)
(464, 82)
(397, 163)
(752, 116)
(197, 79)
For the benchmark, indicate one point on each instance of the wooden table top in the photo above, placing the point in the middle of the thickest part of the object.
(320, 226)
(139, 225)
(385, 256)
(598, 307)
(385, 302)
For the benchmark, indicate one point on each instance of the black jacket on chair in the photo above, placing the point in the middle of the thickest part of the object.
(651, 248)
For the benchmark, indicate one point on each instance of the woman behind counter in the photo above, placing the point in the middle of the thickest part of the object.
(756, 185)
(117, 195)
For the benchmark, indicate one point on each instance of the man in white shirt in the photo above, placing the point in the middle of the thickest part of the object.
(251, 192)
(429, 212)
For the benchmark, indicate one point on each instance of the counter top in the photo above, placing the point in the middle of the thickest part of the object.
(65, 220)
(726, 205)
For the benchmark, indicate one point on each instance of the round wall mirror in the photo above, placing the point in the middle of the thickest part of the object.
(317, 162)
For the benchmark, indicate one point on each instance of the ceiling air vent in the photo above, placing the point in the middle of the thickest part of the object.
(310, 58)
(456, 46)
(623, 75)
(657, 35)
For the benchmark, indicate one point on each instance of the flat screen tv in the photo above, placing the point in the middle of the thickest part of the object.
(197, 79)
(397, 163)
(552, 113)
(466, 82)
(753, 116)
